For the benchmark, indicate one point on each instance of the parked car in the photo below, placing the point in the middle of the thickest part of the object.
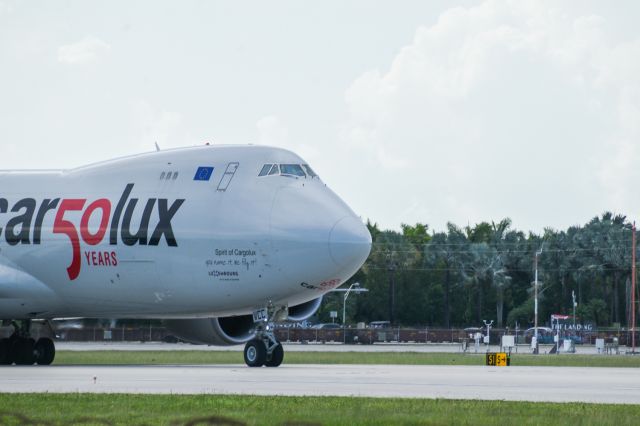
(328, 325)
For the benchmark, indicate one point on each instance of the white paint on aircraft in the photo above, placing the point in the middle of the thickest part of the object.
(186, 233)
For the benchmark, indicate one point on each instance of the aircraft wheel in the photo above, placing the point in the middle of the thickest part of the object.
(24, 351)
(255, 353)
(45, 351)
(276, 356)
(6, 357)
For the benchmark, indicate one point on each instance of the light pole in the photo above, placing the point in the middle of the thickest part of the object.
(573, 296)
(633, 290)
(344, 302)
(535, 306)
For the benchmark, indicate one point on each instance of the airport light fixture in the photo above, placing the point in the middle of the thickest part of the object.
(344, 301)
(487, 338)
(353, 288)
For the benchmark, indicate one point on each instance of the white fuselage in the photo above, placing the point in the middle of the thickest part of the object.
(172, 234)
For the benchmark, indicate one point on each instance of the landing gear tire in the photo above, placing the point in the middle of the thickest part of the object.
(24, 351)
(264, 348)
(45, 351)
(277, 355)
(6, 357)
(255, 353)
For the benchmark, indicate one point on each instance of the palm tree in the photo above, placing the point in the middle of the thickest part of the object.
(611, 242)
(478, 263)
(444, 249)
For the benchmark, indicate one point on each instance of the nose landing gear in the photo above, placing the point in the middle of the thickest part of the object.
(255, 353)
(265, 349)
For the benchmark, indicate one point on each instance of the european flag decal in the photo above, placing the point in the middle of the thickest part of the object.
(203, 173)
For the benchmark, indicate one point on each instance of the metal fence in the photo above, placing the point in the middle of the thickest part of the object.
(117, 334)
(341, 335)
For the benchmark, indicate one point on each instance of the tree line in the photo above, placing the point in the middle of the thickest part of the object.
(461, 276)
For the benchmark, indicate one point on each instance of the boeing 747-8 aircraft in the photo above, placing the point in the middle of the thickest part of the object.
(218, 241)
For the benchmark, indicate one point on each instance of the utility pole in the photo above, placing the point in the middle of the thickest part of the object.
(633, 289)
(392, 292)
(535, 306)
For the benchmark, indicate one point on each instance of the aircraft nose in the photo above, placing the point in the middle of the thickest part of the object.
(349, 242)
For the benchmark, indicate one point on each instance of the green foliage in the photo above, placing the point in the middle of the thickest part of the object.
(522, 314)
(123, 409)
(417, 235)
(461, 276)
(594, 311)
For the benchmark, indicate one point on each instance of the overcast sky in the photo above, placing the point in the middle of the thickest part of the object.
(412, 111)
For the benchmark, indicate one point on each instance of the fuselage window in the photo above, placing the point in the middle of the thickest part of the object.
(309, 171)
(274, 170)
(292, 169)
(265, 170)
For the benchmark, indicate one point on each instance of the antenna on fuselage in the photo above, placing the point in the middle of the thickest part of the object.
(157, 147)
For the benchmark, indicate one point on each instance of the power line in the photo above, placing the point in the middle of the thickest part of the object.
(501, 243)
(608, 269)
(501, 252)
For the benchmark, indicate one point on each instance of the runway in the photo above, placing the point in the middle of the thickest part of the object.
(552, 384)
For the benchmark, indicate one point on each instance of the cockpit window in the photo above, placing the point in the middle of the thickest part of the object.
(309, 171)
(274, 170)
(292, 169)
(265, 170)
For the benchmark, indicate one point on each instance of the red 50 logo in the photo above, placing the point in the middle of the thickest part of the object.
(63, 226)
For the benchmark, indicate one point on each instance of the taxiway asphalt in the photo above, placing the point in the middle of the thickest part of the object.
(553, 384)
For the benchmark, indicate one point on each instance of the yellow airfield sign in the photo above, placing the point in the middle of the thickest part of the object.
(498, 359)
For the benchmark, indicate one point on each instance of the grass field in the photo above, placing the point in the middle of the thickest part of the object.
(401, 358)
(86, 409)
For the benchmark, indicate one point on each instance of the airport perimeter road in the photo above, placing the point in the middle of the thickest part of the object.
(298, 347)
(553, 384)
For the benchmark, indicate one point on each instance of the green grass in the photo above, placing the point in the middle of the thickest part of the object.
(85, 409)
(90, 409)
(400, 358)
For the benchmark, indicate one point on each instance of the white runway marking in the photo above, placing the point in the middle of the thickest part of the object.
(553, 384)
